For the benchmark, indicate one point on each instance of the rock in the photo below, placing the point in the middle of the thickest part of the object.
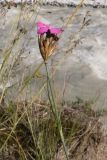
(80, 60)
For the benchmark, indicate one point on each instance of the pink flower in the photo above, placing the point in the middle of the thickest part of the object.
(47, 39)
(47, 28)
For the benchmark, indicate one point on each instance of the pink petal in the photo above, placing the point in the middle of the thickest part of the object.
(56, 30)
(42, 30)
(40, 24)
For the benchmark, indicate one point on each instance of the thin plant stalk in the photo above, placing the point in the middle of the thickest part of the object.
(54, 110)
(33, 136)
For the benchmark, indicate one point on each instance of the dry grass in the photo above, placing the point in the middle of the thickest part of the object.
(36, 135)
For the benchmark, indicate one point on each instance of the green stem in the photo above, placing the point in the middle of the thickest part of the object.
(54, 110)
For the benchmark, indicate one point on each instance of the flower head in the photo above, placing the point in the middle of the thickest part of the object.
(44, 28)
(47, 38)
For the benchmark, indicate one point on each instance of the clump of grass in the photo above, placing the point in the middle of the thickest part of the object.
(42, 140)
